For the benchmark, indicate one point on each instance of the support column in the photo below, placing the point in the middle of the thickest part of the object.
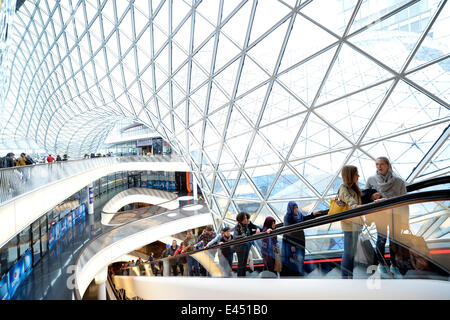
(91, 199)
(194, 185)
(100, 280)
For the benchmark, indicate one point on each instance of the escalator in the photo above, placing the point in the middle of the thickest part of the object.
(417, 247)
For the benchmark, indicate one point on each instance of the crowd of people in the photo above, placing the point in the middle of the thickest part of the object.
(24, 159)
(288, 258)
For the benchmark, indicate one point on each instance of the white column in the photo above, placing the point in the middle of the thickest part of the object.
(91, 199)
(194, 186)
(100, 281)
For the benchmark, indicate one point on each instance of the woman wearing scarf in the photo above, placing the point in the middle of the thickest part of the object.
(388, 185)
(269, 245)
(293, 245)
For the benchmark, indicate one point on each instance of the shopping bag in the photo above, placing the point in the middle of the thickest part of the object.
(278, 263)
(250, 260)
(365, 253)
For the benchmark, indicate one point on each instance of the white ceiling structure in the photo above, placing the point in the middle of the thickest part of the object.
(265, 100)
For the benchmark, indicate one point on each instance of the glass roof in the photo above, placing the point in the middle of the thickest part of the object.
(266, 100)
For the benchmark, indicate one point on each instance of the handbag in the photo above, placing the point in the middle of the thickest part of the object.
(337, 206)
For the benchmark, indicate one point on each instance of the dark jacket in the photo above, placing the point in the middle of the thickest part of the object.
(297, 238)
(7, 162)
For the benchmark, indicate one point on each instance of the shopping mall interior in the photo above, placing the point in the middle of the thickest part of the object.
(224, 150)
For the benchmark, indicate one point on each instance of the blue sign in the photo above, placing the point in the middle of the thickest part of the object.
(19, 272)
(4, 290)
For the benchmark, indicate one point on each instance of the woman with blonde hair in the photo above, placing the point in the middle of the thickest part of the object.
(350, 193)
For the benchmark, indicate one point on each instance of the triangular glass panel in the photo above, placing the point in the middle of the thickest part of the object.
(218, 188)
(237, 124)
(370, 12)
(206, 163)
(199, 99)
(209, 10)
(281, 104)
(230, 213)
(160, 76)
(388, 42)
(217, 98)
(227, 78)
(179, 12)
(213, 151)
(333, 15)
(179, 125)
(245, 190)
(251, 104)
(267, 14)
(196, 132)
(178, 57)
(181, 77)
(261, 153)
(351, 114)
(350, 72)
(162, 18)
(227, 161)
(405, 108)
(282, 134)
(435, 45)
(263, 177)
(226, 50)
(320, 171)
(251, 76)
(208, 176)
(441, 161)
(219, 118)
(211, 135)
(317, 137)
(238, 145)
(407, 150)
(204, 55)
(229, 177)
(199, 76)
(435, 79)
(228, 7)
(159, 38)
(178, 95)
(305, 40)
(169, 124)
(264, 213)
(304, 80)
(236, 27)
(267, 51)
(203, 30)
(183, 36)
(289, 186)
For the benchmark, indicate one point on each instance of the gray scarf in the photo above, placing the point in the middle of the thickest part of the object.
(389, 185)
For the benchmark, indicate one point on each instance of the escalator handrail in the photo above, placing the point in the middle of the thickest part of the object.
(427, 183)
(409, 198)
(414, 187)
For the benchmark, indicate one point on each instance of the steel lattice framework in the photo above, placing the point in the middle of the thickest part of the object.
(266, 100)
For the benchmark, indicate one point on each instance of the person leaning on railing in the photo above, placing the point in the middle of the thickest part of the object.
(189, 244)
(388, 185)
